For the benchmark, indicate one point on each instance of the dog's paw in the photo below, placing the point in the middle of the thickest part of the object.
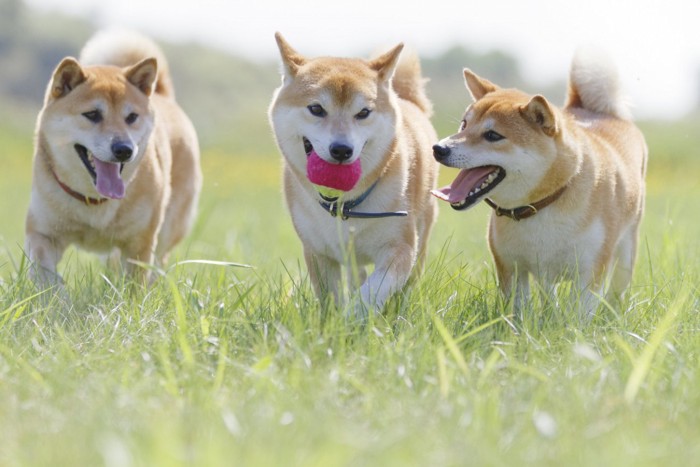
(357, 311)
(361, 308)
(44, 278)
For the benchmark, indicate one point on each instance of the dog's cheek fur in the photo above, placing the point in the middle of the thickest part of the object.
(292, 149)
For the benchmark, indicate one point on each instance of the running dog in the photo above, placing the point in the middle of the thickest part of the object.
(116, 161)
(566, 185)
(365, 124)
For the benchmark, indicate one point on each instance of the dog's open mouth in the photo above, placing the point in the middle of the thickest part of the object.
(308, 147)
(87, 161)
(106, 176)
(470, 186)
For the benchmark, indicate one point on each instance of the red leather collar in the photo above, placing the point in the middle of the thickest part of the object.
(77, 195)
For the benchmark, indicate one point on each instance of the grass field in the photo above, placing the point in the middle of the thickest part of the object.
(233, 366)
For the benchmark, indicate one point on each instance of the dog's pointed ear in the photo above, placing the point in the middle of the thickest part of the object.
(477, 86)
(386, 63)
(66, 77)
(143, 75)
(291, 59)
(539, 112)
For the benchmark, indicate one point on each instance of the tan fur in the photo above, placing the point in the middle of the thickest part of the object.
(589, 234)
(394, 146)
(162, 180)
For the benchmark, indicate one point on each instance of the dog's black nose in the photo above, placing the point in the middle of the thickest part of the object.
(122, 151)
(341, 152)
(440, 152)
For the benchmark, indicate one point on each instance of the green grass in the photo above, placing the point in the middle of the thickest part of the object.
(219, 365)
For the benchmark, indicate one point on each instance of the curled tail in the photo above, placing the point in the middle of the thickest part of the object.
(409, 83)
(126, 48)
(594, 85)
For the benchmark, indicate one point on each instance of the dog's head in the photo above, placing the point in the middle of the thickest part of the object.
(341, 108)
(96, 122)
(509, 147)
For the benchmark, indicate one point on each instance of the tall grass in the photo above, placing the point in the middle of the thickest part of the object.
(220, 365)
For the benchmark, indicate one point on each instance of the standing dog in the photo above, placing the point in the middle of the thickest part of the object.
(341, 110)
(566, 186)
(116, 162)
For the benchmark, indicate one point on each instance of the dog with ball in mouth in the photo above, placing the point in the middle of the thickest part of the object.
(356, 137)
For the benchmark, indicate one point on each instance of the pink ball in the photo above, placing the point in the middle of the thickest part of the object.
(341, 177)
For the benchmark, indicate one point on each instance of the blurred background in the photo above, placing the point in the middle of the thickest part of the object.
(225, 67)
(225, 62)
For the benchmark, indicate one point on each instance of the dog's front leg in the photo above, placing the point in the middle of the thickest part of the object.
(391, 273)
(590, 291)
(514, 284)
(325, 276)
(141, 250)
(44, 254)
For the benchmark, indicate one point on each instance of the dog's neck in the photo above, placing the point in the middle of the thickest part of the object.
(344, 209)
(89, 201)
(77, 195)
(529, 210)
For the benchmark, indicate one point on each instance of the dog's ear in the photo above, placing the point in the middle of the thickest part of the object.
(143, 75)
(66, 77)
(477, 86)
(386, 63)
(539, 112)
(291, 59)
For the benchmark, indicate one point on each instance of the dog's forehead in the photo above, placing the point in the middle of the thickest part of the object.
(109, 87)
(343, 79)
(497, 106)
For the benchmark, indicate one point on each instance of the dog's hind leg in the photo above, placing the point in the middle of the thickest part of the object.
(625, 256)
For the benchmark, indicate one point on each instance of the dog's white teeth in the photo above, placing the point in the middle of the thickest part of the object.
(476, 190)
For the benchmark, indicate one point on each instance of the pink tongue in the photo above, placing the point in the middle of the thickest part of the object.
(109, 181)
(466, 181)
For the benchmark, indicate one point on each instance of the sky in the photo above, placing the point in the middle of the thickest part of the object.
(656, 44)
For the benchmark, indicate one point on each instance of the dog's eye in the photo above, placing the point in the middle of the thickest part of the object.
(362, 114)
(95, 116)
(462, 125)
(131, 118)
(491, 136)
(316, 110)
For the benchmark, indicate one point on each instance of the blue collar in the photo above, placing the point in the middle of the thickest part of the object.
(346, 207)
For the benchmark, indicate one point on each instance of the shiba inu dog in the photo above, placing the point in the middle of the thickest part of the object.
(370, 117)
(566, 185)
(116, 161)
